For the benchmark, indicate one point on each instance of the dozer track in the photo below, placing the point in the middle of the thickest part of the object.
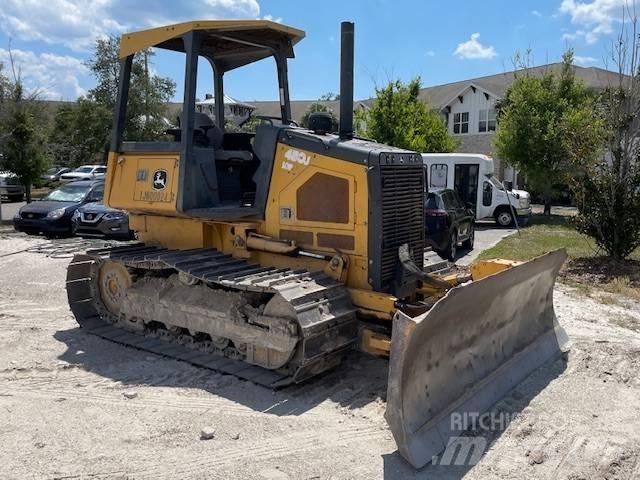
(322, 328)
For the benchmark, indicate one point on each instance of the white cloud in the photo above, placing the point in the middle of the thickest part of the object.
(473, 49)
(248, 8)
(536, 13)
(570, 37)
(71, 23)
(595, 18)
(579, 60)
(271, 19)
(51, 76)
(77, 23)
(430, 53)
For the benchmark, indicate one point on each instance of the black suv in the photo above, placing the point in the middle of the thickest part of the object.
(448, 221)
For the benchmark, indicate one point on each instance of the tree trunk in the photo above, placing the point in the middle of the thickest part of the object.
(27, 191)
(547, 204)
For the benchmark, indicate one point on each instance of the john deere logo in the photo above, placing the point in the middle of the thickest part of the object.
(159, 179)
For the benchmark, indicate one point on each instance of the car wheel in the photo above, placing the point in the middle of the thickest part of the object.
(468, 243)
(504, 218)
(452, 248)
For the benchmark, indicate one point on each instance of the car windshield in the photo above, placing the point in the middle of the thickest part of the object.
(495, 181)
(84, 169)
(52, 171)
(68, 193)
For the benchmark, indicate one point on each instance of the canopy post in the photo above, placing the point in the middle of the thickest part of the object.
(120, 112)
(218, 94)
(283, 83)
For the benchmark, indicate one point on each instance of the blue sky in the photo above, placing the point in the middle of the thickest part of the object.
(440, 41)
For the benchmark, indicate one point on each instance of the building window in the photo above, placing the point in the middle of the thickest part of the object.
(438, 175)
(487, 121)
(461, 122)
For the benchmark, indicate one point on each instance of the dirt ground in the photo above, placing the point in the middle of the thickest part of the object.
(64, 412)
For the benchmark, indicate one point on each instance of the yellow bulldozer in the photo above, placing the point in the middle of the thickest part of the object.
(269, 255)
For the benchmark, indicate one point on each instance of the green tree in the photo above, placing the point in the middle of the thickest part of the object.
(606, 177)
(148, 98)
(329, 96)
(318, 107)
(533, 119)
(5, 86)
(21, 140)
(148, 93)
(80, 132)
(399, 118)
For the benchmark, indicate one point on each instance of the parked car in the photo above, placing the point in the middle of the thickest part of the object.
(53, 174)
(448, 222)
(10, 187)
(52, 214)
(85, 172)
(96, 219)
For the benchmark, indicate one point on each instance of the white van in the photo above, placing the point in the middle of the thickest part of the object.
(472, 176)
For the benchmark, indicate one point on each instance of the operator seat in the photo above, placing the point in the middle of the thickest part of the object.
(214, 137)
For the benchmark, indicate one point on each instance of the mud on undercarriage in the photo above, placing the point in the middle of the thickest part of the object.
(272, 326)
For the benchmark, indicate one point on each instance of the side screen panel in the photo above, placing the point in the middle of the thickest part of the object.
(143, 182)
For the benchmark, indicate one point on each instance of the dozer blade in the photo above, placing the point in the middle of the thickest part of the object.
(475, 344)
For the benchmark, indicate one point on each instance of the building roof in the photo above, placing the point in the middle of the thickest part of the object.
(210, 100)
(299, 107)
(439, 95)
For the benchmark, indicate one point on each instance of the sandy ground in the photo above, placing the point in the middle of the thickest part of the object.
(63, 412)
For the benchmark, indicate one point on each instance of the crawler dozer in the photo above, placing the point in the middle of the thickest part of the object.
(269, 255)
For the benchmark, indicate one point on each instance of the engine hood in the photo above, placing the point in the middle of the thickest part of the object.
(519, 193)
(46, 206)
(97, 207)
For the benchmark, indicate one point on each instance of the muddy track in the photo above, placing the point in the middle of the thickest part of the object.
(326, 318)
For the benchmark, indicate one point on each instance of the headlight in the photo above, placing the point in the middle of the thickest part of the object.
(114, 215)
(76, 215)
(17, 214)
(55, 214)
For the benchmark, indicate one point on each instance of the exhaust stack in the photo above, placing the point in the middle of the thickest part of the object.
(346, 81)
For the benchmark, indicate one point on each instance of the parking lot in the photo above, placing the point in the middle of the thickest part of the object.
(487, 235)
(9, 209)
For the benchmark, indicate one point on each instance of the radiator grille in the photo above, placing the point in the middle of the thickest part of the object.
(402, 215)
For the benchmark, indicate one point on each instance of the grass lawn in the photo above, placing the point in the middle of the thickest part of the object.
(587, 267)
(543, 234)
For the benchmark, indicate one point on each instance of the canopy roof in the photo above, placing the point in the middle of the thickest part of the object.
(230, 43)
